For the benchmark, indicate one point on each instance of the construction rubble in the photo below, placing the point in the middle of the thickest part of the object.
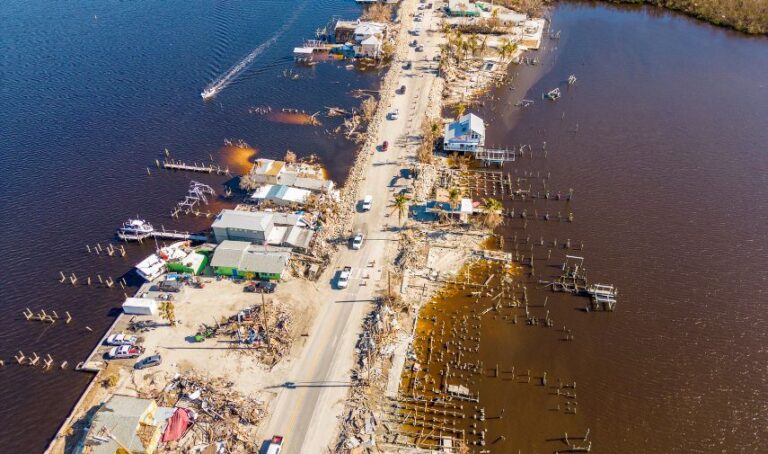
(222, 416)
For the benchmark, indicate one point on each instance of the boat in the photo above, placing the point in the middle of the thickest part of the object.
(208, 93)
(153, 266)
(135, 230)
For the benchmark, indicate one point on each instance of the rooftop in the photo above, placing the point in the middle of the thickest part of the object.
(243, 220)
(463, 126)
(248, 257)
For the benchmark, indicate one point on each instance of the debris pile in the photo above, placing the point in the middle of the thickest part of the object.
(375, 348)
(222, 415)
(261, 331)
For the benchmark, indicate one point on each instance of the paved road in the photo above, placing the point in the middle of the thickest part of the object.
(307, 412)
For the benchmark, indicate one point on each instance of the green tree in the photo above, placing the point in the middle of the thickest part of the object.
(454, 197)
(168, 312)
(460, 109)
(400, 205)
(492, 217)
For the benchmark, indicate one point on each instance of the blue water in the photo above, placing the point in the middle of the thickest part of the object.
(91, 93)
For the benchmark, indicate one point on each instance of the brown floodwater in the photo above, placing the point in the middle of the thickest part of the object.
(663, 139)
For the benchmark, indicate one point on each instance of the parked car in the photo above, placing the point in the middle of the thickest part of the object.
(357, 241)
(170, 285)
(125, 351)
(394, 114)
(275, 445)
(417, 19)
(420, 48)
(343, 279)
(408, 65)
(149, 361)
(402, 89)
(384, 146)
(367, 202)
(121, 339)
(261, 287)
(436, 57)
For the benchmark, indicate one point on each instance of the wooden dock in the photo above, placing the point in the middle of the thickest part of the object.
(172, 164)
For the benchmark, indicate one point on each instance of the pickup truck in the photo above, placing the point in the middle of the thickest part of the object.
(121, 339)
(275, 445)
(344, 274)
(125, 351)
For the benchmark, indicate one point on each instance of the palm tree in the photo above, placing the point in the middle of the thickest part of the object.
(400, 204)
(507, 49)
(492, 213)
(472, 43)
(454, 197)
(483, 45)
(168, 312)
(460, 109)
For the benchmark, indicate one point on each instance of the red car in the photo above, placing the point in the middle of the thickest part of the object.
(384, 146)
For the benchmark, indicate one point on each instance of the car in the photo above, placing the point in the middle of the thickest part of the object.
(149, 361)
(417, 19)
(394, 114)
(357, 241)
(367, 202)
(343, 280)
(384, 146)
(422, 6)
(121, 339)
(261, 287)
(419, 48)
(402, 89)
(125, 351)
(170, 285)
(413, 43)
(275, 445)
(408, 65)
(436, 58)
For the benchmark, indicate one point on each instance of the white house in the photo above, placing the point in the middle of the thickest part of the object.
(467, 134)
(370, 47)
(365, 30)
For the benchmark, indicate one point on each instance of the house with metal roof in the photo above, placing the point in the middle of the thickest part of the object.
(280, 195)
(467, 134)
(249, 261)
(300, 175)
(126, 424)
(259, 227)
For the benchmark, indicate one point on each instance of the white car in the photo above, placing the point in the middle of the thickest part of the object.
(125, 351)
(357, 241)
(394, 115)
(344, 274)
(121, 339)
(367, 203)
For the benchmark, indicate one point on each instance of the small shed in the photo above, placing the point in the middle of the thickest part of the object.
(140, 306)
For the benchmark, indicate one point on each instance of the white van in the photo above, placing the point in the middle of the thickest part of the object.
(367, 202)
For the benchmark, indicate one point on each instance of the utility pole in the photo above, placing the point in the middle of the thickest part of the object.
(264, 317)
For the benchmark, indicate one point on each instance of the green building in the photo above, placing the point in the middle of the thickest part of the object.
(241, 259)
(193, 264)
(463, 8)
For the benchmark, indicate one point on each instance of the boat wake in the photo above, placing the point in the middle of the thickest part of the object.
(221, 82)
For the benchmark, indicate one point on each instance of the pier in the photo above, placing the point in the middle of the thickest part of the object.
(172, 164)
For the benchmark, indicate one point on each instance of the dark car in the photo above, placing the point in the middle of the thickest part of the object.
(408, 65)
(384, 146)
(170, 285)
(261, 287)
(402, 89)
(149, 361)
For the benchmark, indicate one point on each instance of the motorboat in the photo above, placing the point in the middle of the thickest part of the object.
(135, 230)
(208, 93)
(153, 266)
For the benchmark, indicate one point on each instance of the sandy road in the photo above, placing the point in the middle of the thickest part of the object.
(307, 408)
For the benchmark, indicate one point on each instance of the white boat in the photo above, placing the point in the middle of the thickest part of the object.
(135, 230)
(208, 93)
(153, 266)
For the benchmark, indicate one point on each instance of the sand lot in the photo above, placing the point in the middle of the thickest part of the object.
(219, 357)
